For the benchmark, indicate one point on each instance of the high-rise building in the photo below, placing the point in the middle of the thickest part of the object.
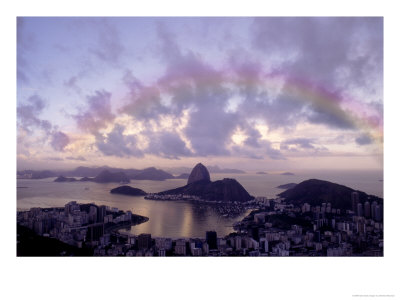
(144, 241)
(355, 199)
(373, 209)
(360, 212)
(93, 214)
(101, 213)
(367, 210)
(211, 239)
(378, 213)
(94, 232)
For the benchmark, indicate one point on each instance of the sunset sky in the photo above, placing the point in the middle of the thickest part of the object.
(249, 93)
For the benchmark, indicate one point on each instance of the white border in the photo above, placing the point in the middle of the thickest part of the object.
(182, 278)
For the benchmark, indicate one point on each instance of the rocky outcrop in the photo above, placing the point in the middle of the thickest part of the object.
(199, 173)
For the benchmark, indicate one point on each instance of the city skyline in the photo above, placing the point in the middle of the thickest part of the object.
(249, 93)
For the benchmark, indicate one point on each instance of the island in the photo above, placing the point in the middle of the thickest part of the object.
(287, 173)
(262, 173)
(128, 190)
(200, 188)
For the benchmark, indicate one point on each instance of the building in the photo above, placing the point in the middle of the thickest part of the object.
(378, 213)
(180, 247)
(92, 214)
(101, 213)
(360, 211)
(94, 232)
(211, 239)
(367, 210)
(144, 241)
(355, 199)
(373, 210)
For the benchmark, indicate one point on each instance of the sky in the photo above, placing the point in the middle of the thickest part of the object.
(265, 93)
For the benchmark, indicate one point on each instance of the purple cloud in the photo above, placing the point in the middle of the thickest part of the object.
(363, 140)
(98, 113)
(167, 145)
(109, 47)
(59, 140)
(28, 114)
(117, 144)
(78, 158)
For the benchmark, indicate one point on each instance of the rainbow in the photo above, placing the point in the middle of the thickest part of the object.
(355, 113)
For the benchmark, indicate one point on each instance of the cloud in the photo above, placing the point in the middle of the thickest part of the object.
(55, 158)
(117, 144)
(109, 47)
(71, 83)
(27, 114)
(363, 140)
(333, 57)
(59, 140)
(98, 113)
(304, 145)
(204, 92)
(26, 42)
(78, 158)
(167, 145)
(339, 53)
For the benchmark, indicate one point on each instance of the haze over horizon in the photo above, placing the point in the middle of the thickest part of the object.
(246, 93)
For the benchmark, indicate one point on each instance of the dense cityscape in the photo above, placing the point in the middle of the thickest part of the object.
(273, 228)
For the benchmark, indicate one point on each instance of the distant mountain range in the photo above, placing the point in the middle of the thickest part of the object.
(316, 192)
(133, 174)
(105, 176)
(92, 172)
(211, 169)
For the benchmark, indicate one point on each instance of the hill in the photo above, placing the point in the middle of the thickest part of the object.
(151, 174)
(106, 176)
(315, 192)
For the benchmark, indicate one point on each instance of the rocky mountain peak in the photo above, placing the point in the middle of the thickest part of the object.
(199, 173)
